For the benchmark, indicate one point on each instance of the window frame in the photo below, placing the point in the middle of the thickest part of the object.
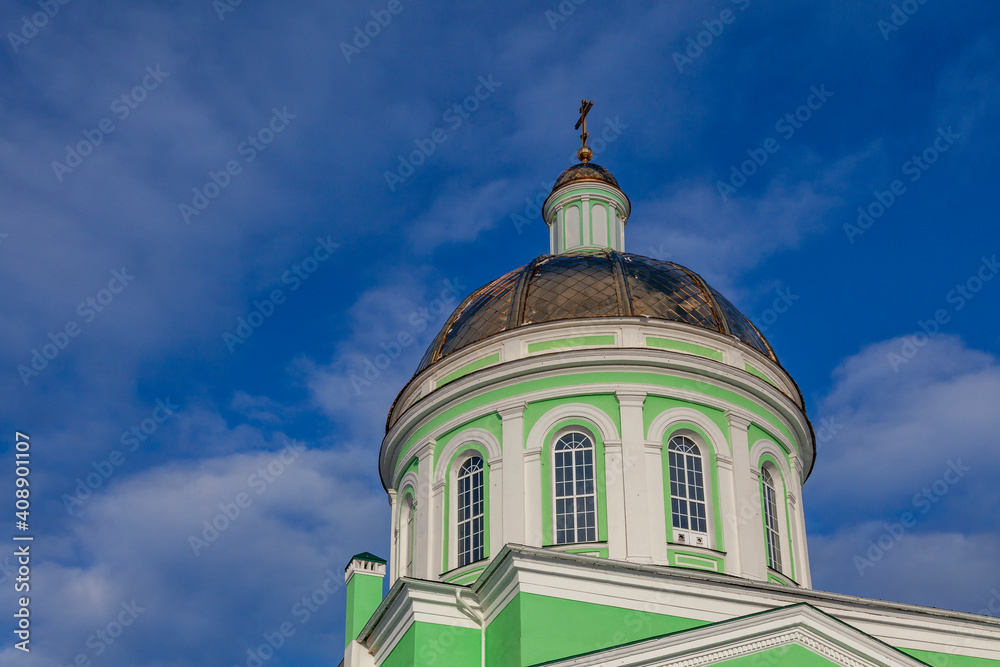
(772, 524)
(406, 531)
(689, 536)
(450, 557)
(470, 521)
(595, 493)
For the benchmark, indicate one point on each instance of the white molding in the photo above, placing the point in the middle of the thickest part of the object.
(597, 417)
(664, 421)
(469, 436)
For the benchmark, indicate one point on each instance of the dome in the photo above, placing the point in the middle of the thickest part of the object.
(585, 171)
(587, 285)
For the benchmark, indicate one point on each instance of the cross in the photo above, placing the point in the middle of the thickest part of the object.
(585, 107)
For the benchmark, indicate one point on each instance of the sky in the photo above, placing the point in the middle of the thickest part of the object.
(216, 213)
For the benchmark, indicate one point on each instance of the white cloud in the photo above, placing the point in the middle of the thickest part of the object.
(916, 449)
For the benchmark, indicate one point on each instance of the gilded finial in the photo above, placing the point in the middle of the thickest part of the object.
(584, 154)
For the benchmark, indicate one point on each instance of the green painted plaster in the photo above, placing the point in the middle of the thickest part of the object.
(713, 472)
(468, 368)
(948, 659)
(578, 341)
(680, 346)
(364, 593)
(467, 577)
(791, 654)
(657, 405)
(606, 403)
(576, 192)
(426, 644)
(491, 423)
(759, 373)
(547, 508)
(534, 629)
(445, 551)
(697, 561)
(580, 380)
(600, 552)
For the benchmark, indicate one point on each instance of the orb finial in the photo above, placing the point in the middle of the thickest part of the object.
(585, 153)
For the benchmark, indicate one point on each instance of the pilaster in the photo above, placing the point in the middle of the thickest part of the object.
(637, 521)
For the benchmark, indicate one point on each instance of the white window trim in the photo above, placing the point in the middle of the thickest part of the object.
(690, 537)
(776, 486)
(781, 475)
(407, 529)
(453, 505)
(589, 432)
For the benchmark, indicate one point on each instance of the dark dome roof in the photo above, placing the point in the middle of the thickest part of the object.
(584, 285)
(585, 171)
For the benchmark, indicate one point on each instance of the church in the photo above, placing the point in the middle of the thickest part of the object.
(600, 461)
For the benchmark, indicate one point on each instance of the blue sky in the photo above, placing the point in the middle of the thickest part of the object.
(288, 139)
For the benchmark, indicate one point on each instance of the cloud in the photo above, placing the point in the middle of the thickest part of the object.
(914, 448)
(282, 520)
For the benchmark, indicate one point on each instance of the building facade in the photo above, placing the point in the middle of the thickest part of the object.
(599, 461)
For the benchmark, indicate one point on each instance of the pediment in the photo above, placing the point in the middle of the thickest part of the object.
(795, 635)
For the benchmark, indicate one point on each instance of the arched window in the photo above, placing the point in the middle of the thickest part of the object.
(687, 490)
(470, 511)
(771, 534)
(575, 495)
(407, 521)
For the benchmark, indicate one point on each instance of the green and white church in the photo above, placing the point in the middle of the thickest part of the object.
(599, 461)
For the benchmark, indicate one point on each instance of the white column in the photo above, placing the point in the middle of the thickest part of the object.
(496, 505)
(394, 540)
(533, 497)
(436, 532)
(512, 496)
(637, 537)
(586, 233)
(655, 494)
(425, 513)
(802, 571)
(615, 493)
(729, 515)
(753, 561)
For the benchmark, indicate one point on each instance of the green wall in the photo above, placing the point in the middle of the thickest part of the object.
(426, 644)
(533, 629)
